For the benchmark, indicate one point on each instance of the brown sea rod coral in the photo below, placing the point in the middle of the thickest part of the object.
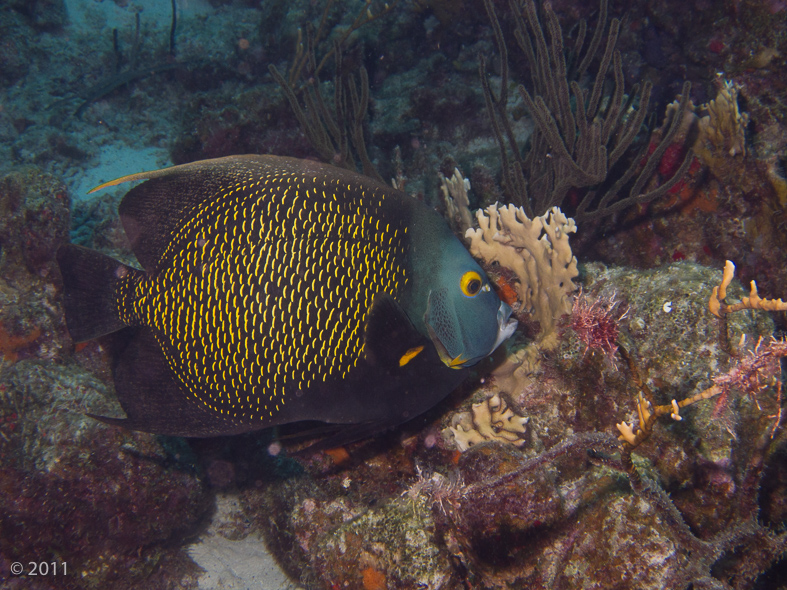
(582, 139)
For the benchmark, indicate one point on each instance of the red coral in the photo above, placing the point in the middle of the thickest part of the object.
(671, 160)
(596, 323)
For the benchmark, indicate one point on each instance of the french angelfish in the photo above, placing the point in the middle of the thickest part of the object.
(277, 290)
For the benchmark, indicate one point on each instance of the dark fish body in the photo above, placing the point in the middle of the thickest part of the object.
(276, 290)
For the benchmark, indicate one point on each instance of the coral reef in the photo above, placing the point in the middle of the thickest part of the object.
(492, 419)
(537, 252)
(106, 502)
(103, 501)
(698, 502)
(34, 221)
(534, 513)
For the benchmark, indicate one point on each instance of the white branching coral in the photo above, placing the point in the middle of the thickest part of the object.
(537, 252)
(457, 203)
(491, 419)
(723, 129)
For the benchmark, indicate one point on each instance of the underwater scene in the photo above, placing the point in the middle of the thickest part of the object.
(417, 294)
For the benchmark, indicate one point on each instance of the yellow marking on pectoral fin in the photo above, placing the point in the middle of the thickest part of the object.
(456, 362)
(410, 355)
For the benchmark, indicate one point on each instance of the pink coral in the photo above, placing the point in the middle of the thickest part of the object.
(753, 373)
(596, 323)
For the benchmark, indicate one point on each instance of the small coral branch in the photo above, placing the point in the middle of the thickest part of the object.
(648, 414)
(722, 132)
(750, 375)
(457, 203)
(719, 307)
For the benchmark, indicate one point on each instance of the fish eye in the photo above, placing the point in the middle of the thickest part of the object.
(471, 283)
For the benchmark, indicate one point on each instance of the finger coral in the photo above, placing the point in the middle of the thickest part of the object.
(538, 253)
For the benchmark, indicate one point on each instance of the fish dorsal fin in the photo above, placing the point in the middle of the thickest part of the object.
(391, 340)
(152, 211)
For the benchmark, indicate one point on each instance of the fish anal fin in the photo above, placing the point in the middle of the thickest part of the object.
(153, 399)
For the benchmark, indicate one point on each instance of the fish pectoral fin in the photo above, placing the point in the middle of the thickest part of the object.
(410, 354)
(390, 339)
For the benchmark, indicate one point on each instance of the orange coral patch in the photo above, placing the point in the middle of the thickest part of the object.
(373, 579)
(10, 345)
(506, 291)
(339, 455)
(703, 200)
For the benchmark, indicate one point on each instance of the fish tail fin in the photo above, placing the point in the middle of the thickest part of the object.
(90, 281)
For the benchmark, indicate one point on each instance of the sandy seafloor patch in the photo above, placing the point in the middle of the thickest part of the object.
(242, 564)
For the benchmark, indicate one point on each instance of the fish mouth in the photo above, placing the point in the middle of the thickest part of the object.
(505, 325)
(505, 329)
(452, 362)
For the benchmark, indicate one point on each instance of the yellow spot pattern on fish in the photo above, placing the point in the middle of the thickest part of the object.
(265, 290)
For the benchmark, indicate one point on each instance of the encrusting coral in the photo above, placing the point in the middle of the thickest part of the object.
(492, 419)
(537, 251)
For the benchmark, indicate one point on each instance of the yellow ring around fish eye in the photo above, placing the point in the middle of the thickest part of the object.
(471, 283)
